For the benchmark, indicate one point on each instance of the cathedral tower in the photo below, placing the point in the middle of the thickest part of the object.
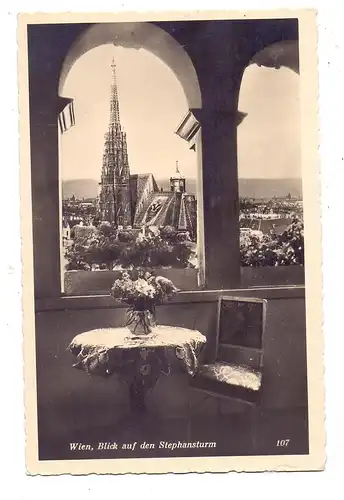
(114, 187)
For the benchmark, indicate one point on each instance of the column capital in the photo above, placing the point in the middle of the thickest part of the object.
(205, 114)
(189, 126)
(196, 117)
(65, 110)
(62, 103)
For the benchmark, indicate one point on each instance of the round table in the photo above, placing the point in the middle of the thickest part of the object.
(139, 360)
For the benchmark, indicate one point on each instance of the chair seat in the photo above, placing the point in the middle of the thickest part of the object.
(227, 373)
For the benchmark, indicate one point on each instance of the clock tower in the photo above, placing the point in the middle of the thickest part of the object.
(178, 183)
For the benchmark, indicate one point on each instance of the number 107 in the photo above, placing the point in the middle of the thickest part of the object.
(283, 442)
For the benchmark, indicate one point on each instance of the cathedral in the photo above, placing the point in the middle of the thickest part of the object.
(135, 200)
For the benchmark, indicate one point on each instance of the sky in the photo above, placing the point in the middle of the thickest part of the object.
(152, 104)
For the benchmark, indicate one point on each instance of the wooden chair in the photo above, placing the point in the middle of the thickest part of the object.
(235, 371)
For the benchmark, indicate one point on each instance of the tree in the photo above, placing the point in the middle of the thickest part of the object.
(106, 247)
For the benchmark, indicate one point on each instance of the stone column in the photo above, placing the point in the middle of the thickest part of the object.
(216, 143)
(44, 108)
(213, 135)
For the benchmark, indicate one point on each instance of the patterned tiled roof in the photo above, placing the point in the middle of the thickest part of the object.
(166, 209)
(138, 183)
(152, 207)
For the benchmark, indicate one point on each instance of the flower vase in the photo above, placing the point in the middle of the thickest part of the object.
(140, 322)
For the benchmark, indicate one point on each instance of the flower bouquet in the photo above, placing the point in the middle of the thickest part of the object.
(142, 291)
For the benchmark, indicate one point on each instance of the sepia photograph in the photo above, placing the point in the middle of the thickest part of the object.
(171, 241)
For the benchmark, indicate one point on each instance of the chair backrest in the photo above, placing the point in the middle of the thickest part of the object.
(240, 331)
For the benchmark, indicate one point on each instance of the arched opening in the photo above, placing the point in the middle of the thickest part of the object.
(139, 36)
(269, 168)
(155, 84)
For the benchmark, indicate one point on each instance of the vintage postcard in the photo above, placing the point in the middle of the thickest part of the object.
(171, 242)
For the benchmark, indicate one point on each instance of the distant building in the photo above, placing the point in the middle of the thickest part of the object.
(134, 201)
(65, 231)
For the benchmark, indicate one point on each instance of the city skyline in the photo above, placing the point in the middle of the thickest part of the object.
(149, 119)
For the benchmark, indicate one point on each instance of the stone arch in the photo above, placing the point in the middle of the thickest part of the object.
(276, 55)
(279, 54)
(138, 35)
(282, 54)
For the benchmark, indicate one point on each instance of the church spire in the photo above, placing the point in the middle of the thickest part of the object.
(114, 103)
(177, 169)
(114, 196)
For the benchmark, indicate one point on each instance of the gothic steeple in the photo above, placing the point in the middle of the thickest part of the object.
(114, 197)
(114, 103)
